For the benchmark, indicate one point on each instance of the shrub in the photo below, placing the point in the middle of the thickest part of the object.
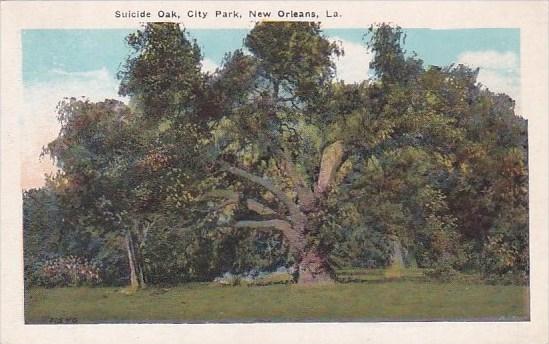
(256, 278)
(274, 278)
(66, 271)
(442, 272)
(229, 279)
(508, 278)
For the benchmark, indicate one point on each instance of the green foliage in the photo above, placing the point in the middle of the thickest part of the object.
(390, 62)
(294, 56)
(431, 162)
(42, 226)
(163, 74)
(442, 272)
(175, 255)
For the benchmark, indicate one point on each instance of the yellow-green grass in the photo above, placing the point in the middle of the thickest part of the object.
(394, 272)
(382, 300)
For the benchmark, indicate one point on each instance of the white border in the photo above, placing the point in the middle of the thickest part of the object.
(529, 16)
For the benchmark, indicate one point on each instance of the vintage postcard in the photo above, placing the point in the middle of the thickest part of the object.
(291, 171)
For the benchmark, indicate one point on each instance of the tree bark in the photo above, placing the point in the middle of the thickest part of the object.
(142, 276)
(137, 263)
(134, 283)
(332, 158)
(295, 239)
(312, 264)
(305, 195)
(293, 209)
(314, 268)
(259, 208)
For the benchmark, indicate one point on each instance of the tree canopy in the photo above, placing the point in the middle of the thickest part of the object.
(270, 162)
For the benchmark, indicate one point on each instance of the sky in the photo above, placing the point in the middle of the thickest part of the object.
(75, 63)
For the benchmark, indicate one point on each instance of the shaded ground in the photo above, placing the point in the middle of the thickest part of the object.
(375, 299)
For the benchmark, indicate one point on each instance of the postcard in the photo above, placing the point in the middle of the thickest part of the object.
(278, 171)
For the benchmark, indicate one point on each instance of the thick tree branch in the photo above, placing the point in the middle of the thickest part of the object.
(226, 203)
(295, 214)
(294, 238)
(149, 223)
(259, 208)
(287, 99)
(229, 196)
(331, 160)
(304, 193)
(281, 225)
(221, 193)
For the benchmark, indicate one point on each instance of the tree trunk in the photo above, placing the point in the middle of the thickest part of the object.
(314, 268)
(397, 257)
(137, 262)
(141, 277)
(312, 264)
(134, 283)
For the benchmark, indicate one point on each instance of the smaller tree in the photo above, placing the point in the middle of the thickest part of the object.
(96, 154)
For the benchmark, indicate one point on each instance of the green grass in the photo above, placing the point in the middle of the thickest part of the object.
(379, 275)
(374, 299)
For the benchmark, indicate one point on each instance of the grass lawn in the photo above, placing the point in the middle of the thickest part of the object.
(369, 299)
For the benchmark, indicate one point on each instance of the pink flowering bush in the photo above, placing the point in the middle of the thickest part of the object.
(68, 271)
